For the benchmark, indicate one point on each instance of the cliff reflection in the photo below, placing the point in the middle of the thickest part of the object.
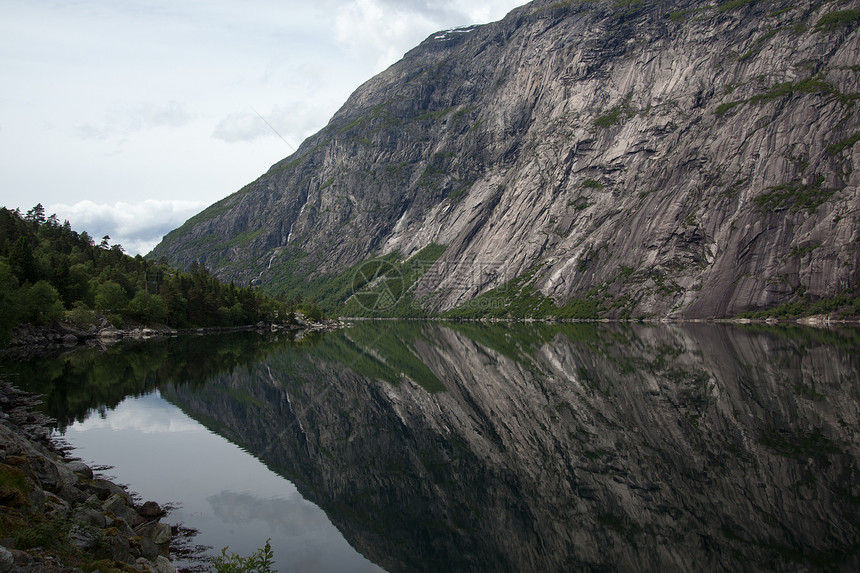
(571, 447)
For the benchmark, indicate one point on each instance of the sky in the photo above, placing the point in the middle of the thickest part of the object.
(127, 117)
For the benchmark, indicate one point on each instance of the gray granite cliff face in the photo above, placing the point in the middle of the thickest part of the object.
(682, 158)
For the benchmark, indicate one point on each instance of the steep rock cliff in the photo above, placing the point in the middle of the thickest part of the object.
(665, 158)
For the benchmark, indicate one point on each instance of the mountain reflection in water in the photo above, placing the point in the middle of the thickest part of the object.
(531, 447)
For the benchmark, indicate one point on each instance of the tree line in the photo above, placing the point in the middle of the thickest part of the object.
(51, 273)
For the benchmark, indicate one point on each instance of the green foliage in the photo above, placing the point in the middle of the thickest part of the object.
(592, 184)
(41, 303)
(679, 15)
(348, 292)
(48, 272)
(81, 316)
(794, 195)
(393, 348)
(311, 310)
(148, 308)
(9, 311)
(734, 4)
(615, 115)
(261, 561)
(835, 20)
(519, 299)
(815, 84)
(847, 143)
(844, 305)
(726, 107)
(110, 297)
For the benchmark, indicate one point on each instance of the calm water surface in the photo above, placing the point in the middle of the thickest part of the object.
(430, 446)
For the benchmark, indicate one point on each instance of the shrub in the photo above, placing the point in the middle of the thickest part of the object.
(42, 303)
(81, 316)
(834, 20)
(261, 561)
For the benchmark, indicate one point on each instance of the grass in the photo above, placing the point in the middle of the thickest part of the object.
(847, 143)
(845, 305)
(814, 84)
(519, 299)
(734, 5)
(795, 196)
(614, 116)
(835, 20)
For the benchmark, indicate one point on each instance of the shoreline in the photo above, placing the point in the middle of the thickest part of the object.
(57, 515)
(812, 321)
(65, 337)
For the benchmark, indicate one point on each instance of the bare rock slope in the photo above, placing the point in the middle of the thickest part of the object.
(675, 158)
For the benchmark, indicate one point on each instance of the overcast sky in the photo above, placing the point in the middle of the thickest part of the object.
(126, 117)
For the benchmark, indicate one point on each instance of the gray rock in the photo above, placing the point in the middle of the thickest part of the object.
(81, 468)
(145, 565)
(117, 505)
(559, 139)
(89, 516)
(157, 532)
(47, 472)
(48, 504)
(7, 561)
(83, 537)
(149, 549)
(163, 565)
(150, 510)
(103, 488)
(119, 546)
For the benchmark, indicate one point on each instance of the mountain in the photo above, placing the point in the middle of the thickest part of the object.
(630, 158)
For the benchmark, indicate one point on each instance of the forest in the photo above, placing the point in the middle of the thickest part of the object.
(50, 273)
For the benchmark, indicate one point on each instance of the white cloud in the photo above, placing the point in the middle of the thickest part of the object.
(148, 414)
(124, 120)
(292, 124)
(128, 101)
(241, 126)
(138, 227)
(381, 31)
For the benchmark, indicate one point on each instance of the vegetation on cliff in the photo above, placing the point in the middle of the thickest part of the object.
(51, 273)
(612, 159)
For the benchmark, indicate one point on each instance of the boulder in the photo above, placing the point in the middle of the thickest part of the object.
(110, 333)
(146, 565)
(117, 505)
(149, 549)
(81, 468)
(119, 545)
(48, 504)
(7, 561)
(150, 510)
(162, 565)
(47, 473)
(90, 516)
(157, 532)
(83, 537)
(103, 488)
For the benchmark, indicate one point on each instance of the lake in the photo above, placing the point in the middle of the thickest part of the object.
(427, 446)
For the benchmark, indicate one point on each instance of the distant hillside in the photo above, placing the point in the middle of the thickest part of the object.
(50, 273)
(588, 158)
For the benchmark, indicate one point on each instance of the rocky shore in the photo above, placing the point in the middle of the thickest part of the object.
(65, 336)
(56, 516)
